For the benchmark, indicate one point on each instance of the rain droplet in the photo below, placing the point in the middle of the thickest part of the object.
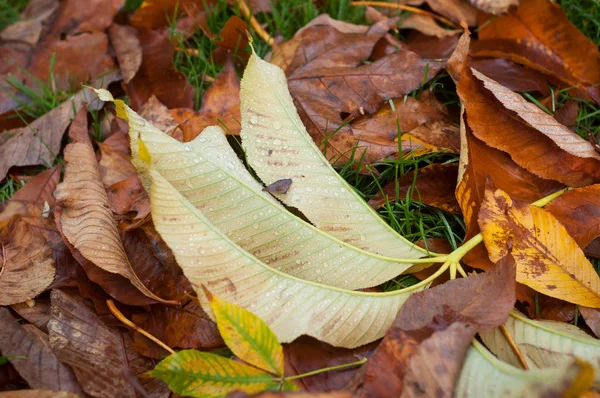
(254, 119)
(188, 183)
(362, 238)
(255, 226)
(276, 141)
(276, 125)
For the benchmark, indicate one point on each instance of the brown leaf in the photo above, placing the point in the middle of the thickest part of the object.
(86, 219)
(548, 259)
(512, 75)
(279, 186)
(164, 119)
(579, 211)
(220, 106)
(495, 7)
(539, 35)
(157, 75)
(27, 268)
(455, 10)
(76, 17)
(39, 366)
(592, 318)
(477, 161)
(129, 199)
(306, 354)
(232, 41)
(566, 157)
(101, 356)
(187, 327)
(38, 315)
(115, 165)
(426, 25)
(482, 301)
(434, 186)
(128, 50)
(38, 394)
(431, 47)
(153, 14)
(332, 85)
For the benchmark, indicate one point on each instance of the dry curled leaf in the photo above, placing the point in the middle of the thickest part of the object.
(128, 50)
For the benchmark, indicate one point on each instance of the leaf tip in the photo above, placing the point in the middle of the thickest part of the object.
(143, 152)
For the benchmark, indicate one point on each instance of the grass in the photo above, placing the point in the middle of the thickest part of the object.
(9, 188)
(10, 10)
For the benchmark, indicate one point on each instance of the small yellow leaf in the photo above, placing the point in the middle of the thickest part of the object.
(120, 106)
(143, 152)
(247, 336)
(548, 259)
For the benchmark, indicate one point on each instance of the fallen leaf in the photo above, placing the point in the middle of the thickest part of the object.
(484, 375)
(592, 318)
(128, 50)
(102, 359)
(154, 14)
(76, 17)
(433, 185)
(455, 10)
(115, 166)
(220, 106)
(232, 41)
(544, 344)
(431, 47)
(280, 186)
(32, 356)
(426, 25)
(157, 74)
(164, 119)
(578, 210)
(495, 7)
(90, 228)
(548, 259)
(511, 75)
(278, 146)
(27, 267)
(187, 327)
(482, 302)
(129, 200)
(247, 336)
(38, 394)
(39, 143)
(38, 315)
(539, 35)
(567, 158)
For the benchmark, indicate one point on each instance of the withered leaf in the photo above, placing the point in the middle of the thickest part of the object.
(28, 268)
(38, 394)
(434, 186)
(497, 126)
(38, 315)
(86, 219)
(101, 356)
(455, 10)
(34, 359)
(548, 259)
(495, 7)
(220, 106)
(153, 14)
(539, 34)
(482, 301)
(592, 318)
(128, 50)
(511, 75)
(115, 165)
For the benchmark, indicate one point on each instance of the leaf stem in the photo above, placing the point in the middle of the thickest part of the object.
(547, 199)
(119, 315)
(323, 370)
(514, 347)
(263, 34)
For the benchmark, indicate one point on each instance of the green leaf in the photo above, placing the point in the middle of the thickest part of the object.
(544, 343)
(483, 375)
(248, 336)
(199, 374)
(278, 146)
(290, 306)
(209, 174)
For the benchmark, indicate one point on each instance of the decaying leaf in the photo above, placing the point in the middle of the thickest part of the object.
(484, 375)
(29, 351)
(446, 315)
(220, 106)
(544, 344)
(128, 49)
(280, 186)
(539, 34)
(101, 356)
(495, 7)
(210, 169)
(548, 259)
(278, 146)
(86, 219)
(209, 258)
(27, 265)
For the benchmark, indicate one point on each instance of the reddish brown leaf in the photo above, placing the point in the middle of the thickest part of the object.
(483, 301)
(101, 356)
(163, 119)
(455, 10)
(38, 314)
(128, 50)
(154, 14)
(579, 211)
(27, 266)
(495, 7)
(220, 106)
(426, 25)
(86, 220)
(592, 318)
(157, 75)
(431, 47)
(39, 366)
(76, 17)
(566, 157)
(115, 165)
(38, 394)
(539, 34)
(434, 186)
(232, 40)
(129, 199)
(187, 327)
(512, 75)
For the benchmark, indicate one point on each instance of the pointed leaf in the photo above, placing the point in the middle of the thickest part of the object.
(544, 344)
(86, 220)
(207, 171)
(247, 336)
(483, 375)
(199, 374)
(548, 259)
(290, 306)
(278, 146)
